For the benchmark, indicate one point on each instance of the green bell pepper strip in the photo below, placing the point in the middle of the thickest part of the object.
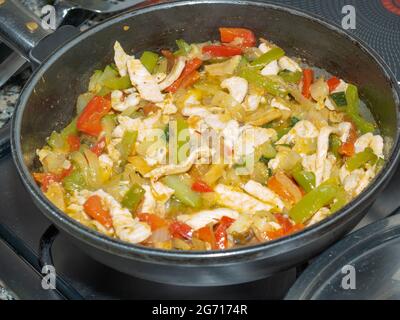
(161, 66)
(317, 198)
(282, 131)
(183, 139)
(166, 133)
(83, 101)
(103, 91)
(175, 208)
(339, 98)
(340, 200)
(362, 125)
(74, 181)
(184, 48)
(268, 57)
(118, 83)
(183, 191)
(55, 141)
(111, 79)
(352, 110)
(59, 140)
(305, 179)
(243, 64)
(290, 77)
(109, 123)
(103, 82)
(265, 152)
(268, 151)
(108, 72)
(94, 81)
(334, 144)
(70, 129)
(127, 143)
(360, 159)
(149, 60)
(253, 76)
(133, 197)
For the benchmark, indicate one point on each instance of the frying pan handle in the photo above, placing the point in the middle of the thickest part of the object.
(20, 29)
(147, 3)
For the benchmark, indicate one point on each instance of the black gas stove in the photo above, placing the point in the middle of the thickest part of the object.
(26, 236)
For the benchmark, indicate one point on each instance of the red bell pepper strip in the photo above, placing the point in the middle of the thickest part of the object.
(283, 186)
(190, 79)
(89, 121)
(46, 179)
(190, 67)
(284, 222)
(308, 79)
(154, 221)
(275, 234)
(230, 34)
(206, 234)
(221, 237)
(333, 83)
(287, 228)
(180, 230)
(94, 209)
(65, 173)
(168, 54)
(347, 148)
(99, 146)
(222, 51)
(200, 186)
(74, 142)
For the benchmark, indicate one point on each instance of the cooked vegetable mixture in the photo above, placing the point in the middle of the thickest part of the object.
(213, 146)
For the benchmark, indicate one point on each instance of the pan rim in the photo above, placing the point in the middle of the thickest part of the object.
(121, 248)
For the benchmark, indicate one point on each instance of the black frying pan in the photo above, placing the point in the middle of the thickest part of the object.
(48, 100)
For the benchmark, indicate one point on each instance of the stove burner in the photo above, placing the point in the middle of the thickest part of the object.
(377, 23)
(392, 5)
